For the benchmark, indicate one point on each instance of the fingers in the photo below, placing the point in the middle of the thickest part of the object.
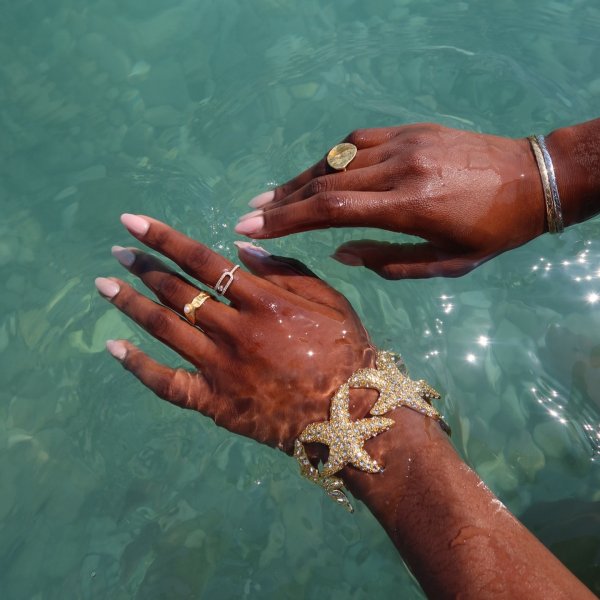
(364, 158)
(366, 140)
(174, 291)
(193, 257)
(406, 261)
(178, 386)
(158, 321)
(329, 209)
(368, 179)
(288, 274)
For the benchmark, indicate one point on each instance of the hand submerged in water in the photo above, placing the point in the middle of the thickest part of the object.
(470, 196)
(268, 363)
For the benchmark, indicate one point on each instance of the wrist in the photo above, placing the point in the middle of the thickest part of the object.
(409, 453)
(349, 429)
(575, 153)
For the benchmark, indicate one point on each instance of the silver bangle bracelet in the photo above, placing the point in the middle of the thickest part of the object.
(551, 196)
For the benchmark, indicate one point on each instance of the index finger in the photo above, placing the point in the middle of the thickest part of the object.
(194, 258)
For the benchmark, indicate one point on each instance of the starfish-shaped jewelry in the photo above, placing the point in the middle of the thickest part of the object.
(395, 388)
(333, 486)
(345, 437)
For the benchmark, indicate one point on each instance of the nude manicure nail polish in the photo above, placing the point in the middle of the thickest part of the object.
(262, 199)
(125, 256)
(137, 225)
(250, 226)
(117, 349)
(254, 213)
(107, 287)
(249, 248)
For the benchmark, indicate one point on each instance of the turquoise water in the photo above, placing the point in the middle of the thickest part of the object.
(183, 110)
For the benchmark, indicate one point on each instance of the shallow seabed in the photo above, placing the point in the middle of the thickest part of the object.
(184, 110)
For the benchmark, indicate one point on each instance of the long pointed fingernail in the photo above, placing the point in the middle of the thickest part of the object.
(254, 213)
(107, 287)
(262, 199)
(137, 225)
(117, 349)
(249, 248)
(250, 226)
(125, 256)
(346, 258)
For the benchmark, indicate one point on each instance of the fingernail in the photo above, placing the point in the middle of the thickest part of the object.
(249, 215)
(135, 224)
(117, 349)
(346, 258)
(250, 226)
(262, 199)
(107, 287)
(125, 256)
(249, 248)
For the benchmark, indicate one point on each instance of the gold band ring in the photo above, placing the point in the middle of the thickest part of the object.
(340, 156)
(189, 310)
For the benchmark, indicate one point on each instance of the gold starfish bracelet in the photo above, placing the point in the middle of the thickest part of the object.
(346, 438)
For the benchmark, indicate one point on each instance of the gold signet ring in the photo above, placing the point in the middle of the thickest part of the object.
(189, 310)
(340, 156)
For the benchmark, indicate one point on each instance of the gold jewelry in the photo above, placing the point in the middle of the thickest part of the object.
(332, 485)
(346, 438)
(396, 388)
(551, 196)
(340, 156)
(189, 310)
(225, 280)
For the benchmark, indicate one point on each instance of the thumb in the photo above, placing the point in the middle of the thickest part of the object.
(405, 261)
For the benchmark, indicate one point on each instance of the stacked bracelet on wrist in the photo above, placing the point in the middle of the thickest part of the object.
(346, 438)
(546, 168)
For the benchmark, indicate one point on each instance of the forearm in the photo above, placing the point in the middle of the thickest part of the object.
(575, 152)
(456, 536)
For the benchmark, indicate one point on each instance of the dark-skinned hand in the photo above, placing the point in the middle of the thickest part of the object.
(469, 196)
(267, 363)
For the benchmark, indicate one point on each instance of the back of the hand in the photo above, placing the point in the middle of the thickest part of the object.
(470, 196)
(266, 364)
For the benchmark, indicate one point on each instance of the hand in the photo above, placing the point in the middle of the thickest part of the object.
(268, 363)
(471, 196)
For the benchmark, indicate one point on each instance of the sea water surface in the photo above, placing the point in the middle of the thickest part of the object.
(183, 110)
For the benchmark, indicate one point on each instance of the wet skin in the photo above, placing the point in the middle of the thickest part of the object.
(470, 196)
(267, 365)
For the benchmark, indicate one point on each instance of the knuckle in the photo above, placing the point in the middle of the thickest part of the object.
(390, 272)
(331, 206)
(419, 162)
(459, 269)
(198, 259)
(317, 186)
(168, 287)
(356, 137)
(160, 237)
(160, 324)
(178, 389)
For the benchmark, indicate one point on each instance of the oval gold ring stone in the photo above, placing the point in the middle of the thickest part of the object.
(340, 156)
